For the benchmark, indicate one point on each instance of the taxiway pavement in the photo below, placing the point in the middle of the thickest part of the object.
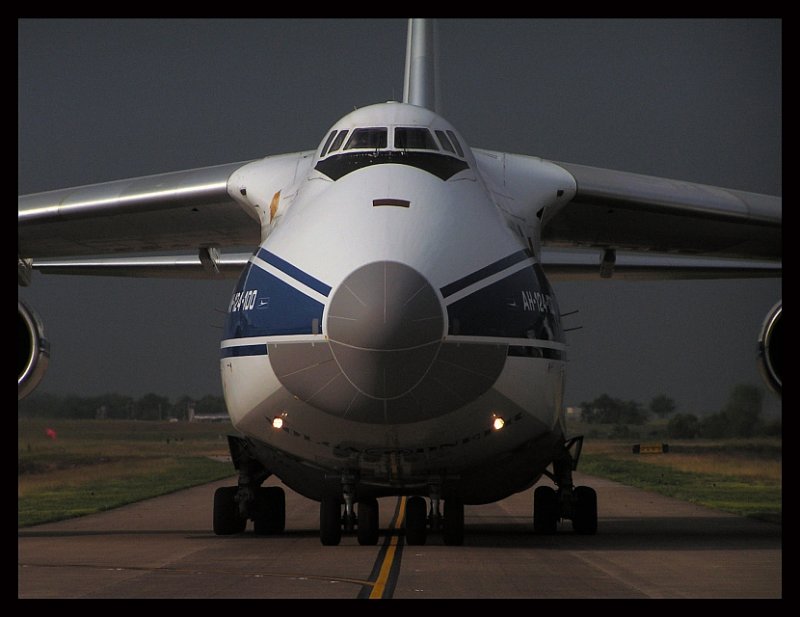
(647, 546)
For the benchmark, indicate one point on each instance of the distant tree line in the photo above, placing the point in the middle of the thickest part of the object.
(607, 410)
(116, 406)
(740, 416)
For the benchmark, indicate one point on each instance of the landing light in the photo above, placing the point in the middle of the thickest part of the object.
(497, 422)
(277, 422)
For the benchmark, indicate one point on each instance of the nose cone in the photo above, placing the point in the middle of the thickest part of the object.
(385, 326)
(385, 360)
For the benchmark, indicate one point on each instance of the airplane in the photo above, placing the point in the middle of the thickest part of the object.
(420, 350)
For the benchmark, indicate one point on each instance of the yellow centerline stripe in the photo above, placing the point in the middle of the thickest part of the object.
(388, 559)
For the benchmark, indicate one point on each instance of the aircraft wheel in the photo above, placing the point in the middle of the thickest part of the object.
(545, 510)
(584, 519)
(453, 533)
(330, 521)
(416, 521)
(270, 510)
(368, 522)
(227, 520)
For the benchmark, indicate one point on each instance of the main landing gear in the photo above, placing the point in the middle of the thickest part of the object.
(577, 503)
(348, 512)
(234, 505)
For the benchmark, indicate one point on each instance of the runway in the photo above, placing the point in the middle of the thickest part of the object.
(647, 546)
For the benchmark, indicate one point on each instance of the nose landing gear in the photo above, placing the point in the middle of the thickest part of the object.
(361, 515)
(451, 524)
(577, 503)
(333, 521)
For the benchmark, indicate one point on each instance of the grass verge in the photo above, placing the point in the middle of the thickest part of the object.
(69, 468)
(66, 494)
(743, 478)
(96, 465)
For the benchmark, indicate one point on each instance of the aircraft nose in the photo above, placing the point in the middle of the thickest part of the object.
(385, 326)
(386, 360)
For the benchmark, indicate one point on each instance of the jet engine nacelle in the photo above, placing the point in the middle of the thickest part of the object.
(770, 348)
(34, 351)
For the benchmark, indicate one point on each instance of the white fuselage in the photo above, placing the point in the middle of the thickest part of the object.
(391, 315)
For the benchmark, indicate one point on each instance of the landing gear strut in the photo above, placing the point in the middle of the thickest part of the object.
(577, 503)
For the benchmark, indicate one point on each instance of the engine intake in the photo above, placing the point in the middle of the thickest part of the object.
(34, 351)
(770, 348)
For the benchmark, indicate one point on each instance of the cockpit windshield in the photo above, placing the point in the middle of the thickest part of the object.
(337, 143)
(414, 138)
(346, 150)
(373, 138)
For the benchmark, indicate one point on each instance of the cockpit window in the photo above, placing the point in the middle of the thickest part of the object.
(445, 141)
(373, 138)
(327, 143)
(454, 139)
(414, 138)
(337, 143)
(435, 151)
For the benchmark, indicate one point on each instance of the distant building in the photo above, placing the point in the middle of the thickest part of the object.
(209, 417)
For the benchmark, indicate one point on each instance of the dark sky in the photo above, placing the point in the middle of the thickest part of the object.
(696, 100)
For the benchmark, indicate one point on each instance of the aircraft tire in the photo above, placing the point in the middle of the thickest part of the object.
(416, 521)
(584, 520)
(270, 510)
(368, 522)
(330, 521)
(227, 520)
(545, 510)
(453, 533)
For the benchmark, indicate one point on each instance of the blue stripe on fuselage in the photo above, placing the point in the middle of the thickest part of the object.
(296, 273)
(264, 305)
(485, 272)
(521, 305)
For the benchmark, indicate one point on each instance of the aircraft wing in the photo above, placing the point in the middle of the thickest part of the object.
(633, 212)
(620, 223)
(588, 222)
(164, 212)
(194, 211)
